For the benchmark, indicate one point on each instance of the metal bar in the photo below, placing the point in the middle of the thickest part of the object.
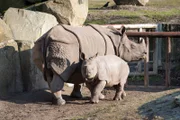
(146, 67)
(153, 34)
(168, 55)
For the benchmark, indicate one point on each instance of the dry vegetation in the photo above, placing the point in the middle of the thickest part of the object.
(140, 104)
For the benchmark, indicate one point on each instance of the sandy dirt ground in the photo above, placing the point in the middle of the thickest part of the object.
(140, 104)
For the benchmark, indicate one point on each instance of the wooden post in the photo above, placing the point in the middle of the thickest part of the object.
(155, 56)
(139, 63)
(168, 67)
(146, 67)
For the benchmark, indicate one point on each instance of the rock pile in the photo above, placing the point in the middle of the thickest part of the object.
(20, 28)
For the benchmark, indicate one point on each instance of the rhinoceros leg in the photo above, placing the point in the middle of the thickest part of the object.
(76, 93)
(117, 94)
(96, 92)
(90, 87)
(56, 86)
(120, 93)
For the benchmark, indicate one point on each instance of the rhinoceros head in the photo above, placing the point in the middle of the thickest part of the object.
(89, 68)
(132, 51)
(128, 49)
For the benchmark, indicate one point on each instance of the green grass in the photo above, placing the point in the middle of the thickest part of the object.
(164, 3)
(155, 10)
(151, 3)
(99, 3)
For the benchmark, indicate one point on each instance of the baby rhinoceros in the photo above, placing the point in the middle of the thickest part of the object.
(99, 71)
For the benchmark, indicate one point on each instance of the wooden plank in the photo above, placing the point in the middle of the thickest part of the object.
(168, 55)
(155, 87)
(139, 63)
(155, 56)
(146, 67)
(153, 34)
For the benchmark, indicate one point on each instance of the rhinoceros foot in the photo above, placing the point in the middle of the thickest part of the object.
(58, 101)
(76, 94)
(94, 99)
(117, 98)
(101, 96)
(123, 95)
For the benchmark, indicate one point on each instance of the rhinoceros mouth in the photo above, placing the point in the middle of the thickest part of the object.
(89, 79)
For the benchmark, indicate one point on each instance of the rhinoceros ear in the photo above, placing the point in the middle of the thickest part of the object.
(97, 54)
(122, 30)
(115, 31)
(82, 56)
(141, 40)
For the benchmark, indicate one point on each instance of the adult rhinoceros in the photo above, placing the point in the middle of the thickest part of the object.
(57, 53)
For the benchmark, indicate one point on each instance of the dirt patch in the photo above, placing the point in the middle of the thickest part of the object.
(37, 106)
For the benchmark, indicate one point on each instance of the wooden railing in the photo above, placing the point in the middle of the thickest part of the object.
(168, 35)
(147, 35)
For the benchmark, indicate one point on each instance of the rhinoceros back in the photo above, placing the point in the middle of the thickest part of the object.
(91, 40)
(65, 43)
(112, 68)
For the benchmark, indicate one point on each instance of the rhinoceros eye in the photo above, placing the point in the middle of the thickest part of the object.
(133, 46)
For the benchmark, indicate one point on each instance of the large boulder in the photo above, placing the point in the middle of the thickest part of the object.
(31, 75)
(5, 32)
(72, 12)
(10, 70)
(131, 2)
(28, 25)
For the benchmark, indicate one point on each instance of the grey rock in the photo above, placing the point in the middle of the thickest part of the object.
(5, 32)
(28, 25)
(177, 100)
(71, 12)
(10, 71)
(31, 75)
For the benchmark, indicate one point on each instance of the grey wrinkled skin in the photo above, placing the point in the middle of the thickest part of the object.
(99, 71)
(57, 53)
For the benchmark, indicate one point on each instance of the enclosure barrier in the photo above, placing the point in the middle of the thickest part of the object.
(147, 35)
(168, 35)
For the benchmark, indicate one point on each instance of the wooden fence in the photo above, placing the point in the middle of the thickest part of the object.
(147, 35)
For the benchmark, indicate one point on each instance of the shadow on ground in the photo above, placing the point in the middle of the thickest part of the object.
(38, 97)
(164, 108)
